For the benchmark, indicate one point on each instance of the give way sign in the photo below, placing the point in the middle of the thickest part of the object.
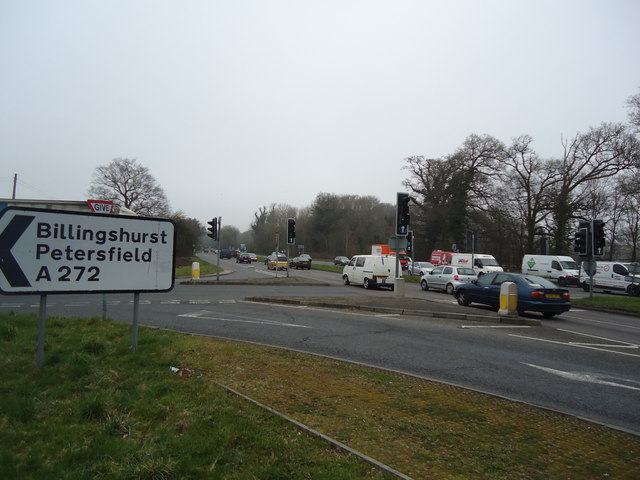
(49, 251)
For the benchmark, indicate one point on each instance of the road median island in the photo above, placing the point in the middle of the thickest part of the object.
(96, 410)
(398, 306)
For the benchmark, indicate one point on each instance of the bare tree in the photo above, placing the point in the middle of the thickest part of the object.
(527, 181)
(633, 103)
(600, 153)
(130, 185)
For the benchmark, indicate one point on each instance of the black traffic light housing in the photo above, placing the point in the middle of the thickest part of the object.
(581, 241)
(213, 229)
(291, 231)
(410, 243)
(599, 239)
(403, 219)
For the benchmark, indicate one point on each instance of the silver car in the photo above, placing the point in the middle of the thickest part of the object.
(417, 268)
(447, 278)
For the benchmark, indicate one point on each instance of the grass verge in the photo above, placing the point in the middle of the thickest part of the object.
(184, 267)
(95, 410)
(629, 305)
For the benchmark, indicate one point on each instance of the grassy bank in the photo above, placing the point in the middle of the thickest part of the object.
(630, 305)
(184, 267)
(95, 410)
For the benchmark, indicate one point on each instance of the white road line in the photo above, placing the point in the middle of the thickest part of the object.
(588, 346)
(495, 326)
(209, 316)
(586, 377)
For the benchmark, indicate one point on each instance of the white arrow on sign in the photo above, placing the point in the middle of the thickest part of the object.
(48, 251)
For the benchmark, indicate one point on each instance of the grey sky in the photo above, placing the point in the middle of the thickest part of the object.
(234, 105)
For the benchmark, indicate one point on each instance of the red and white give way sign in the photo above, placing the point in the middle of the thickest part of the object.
(100, 206)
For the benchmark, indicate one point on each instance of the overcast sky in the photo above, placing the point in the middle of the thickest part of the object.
(235, 105)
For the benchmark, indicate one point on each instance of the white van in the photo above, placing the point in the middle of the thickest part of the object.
(481, 262)
(561, 269)
(613, 276)
(370, 271)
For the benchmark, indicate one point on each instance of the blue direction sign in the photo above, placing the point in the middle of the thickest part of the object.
(48, 251)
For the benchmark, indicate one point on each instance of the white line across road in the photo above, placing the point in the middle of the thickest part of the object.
(495, 326)
(602, 347)
(589, 378)
(205, 314)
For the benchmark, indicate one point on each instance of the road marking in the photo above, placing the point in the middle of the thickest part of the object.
(204, 314)
(592, 346)
(495, 326)
(588, 378)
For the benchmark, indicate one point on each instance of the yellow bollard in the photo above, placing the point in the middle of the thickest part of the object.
(508, 299)
(195, 270)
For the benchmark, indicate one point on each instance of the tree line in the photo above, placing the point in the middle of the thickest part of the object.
(507, 194)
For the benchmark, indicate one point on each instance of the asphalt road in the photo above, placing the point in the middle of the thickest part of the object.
(584, 363)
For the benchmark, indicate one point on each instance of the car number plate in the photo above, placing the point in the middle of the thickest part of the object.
(553, 295)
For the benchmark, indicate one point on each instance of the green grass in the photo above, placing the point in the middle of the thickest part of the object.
(205, 268)
(97, 411)
(622, 304)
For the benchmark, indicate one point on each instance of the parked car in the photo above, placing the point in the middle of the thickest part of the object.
(277, 262)
(243, 258)
(226, 253)
(300, 262)
(418, 268)
(342, 261)
(535, 293)
(447, 278)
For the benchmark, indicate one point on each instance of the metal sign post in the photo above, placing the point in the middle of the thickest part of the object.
(47, 252)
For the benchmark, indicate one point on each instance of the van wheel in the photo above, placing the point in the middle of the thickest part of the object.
(449, 289)
(634, 290)
(424, 285)
(345, 280)
(585, 286)
(366, 283)
(562, 282)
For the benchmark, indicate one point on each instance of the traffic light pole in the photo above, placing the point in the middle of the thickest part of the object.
(218, 263)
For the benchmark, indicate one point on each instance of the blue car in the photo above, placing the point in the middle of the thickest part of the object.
(535, 294)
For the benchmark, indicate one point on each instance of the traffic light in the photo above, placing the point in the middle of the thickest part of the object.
(402, 213)
(410, 243)
(599, 240)
(291, 231)
(581, 239)
(213, 229)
